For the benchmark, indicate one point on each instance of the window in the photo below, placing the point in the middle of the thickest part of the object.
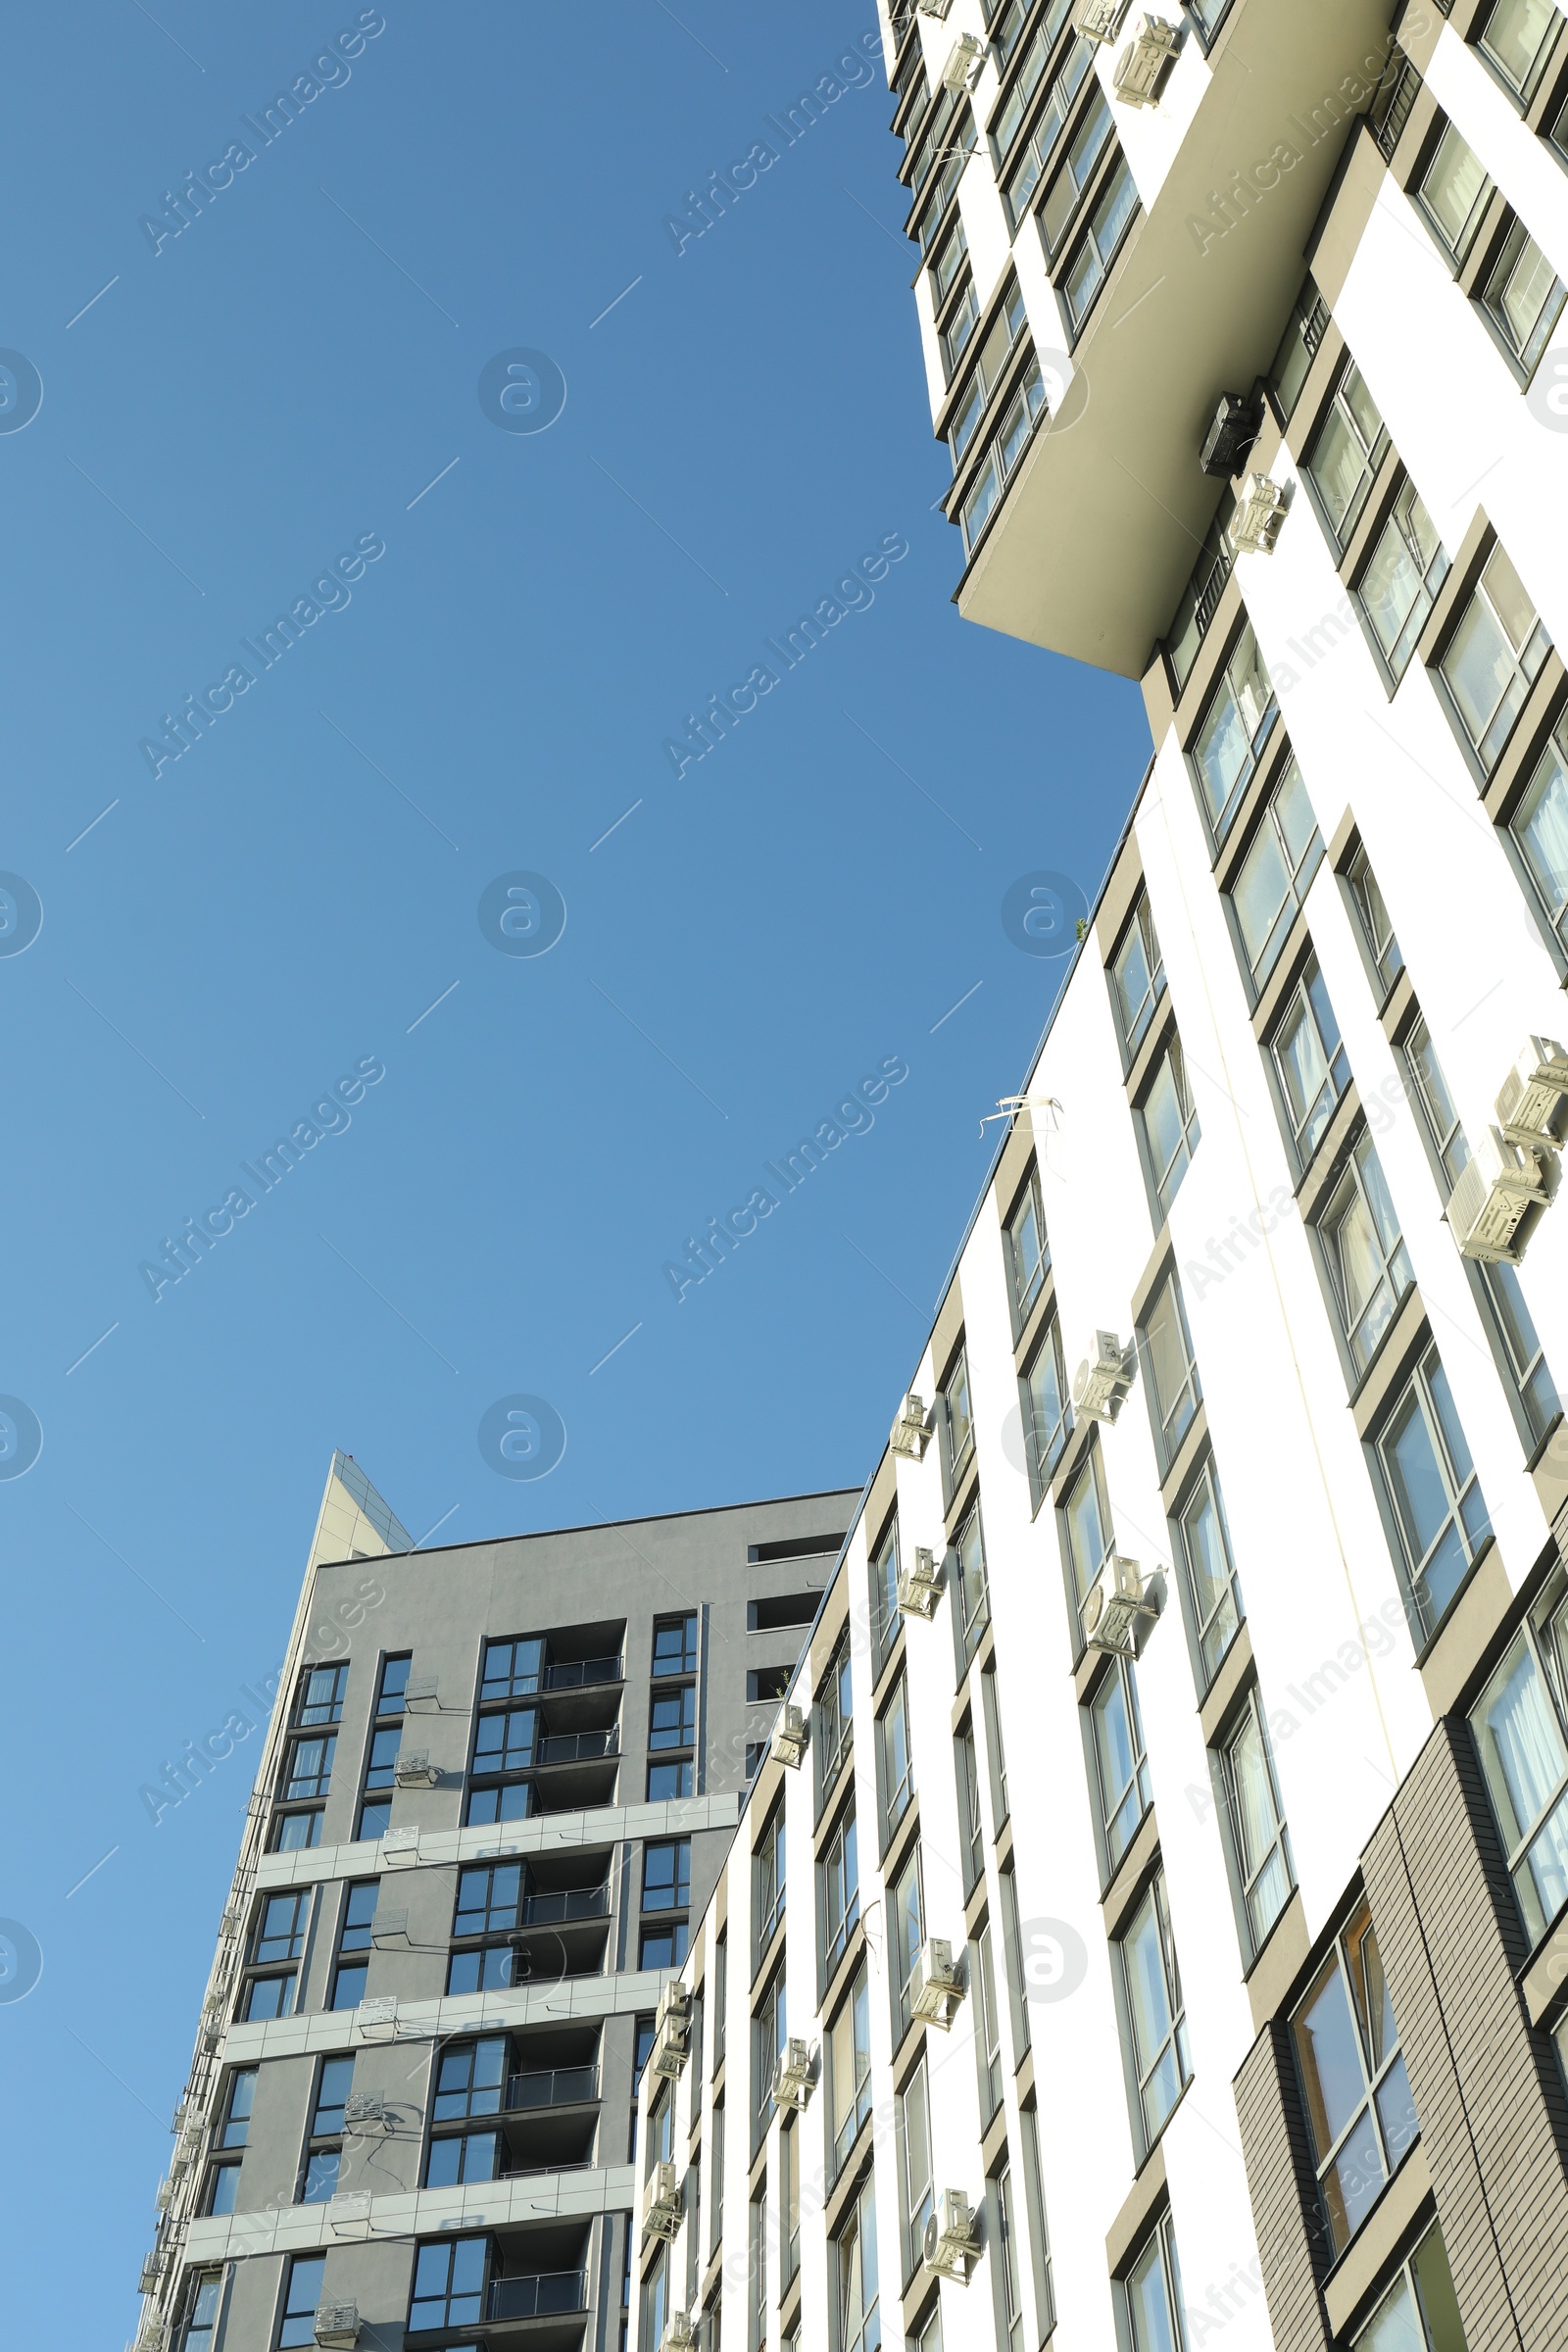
(1007, 447)
(233, 2130)
(458, 2157)
(909, 1934)
(324, 2154)
(852, 2266)
(757, 2270)
(988, 2028)
(1034, 2192)
(1358, 2094)
(789, 2204)
(1452, 194)
(1376, 928)
(1492, 657)
(1028, 1252)
(970, 1589)
(1154, 2294)
(375, 1813)
(1516, 37)
(280, 1926)
(667, 1875)
(1438, 1113)
(296, 2322)
(204, 2297)
(1435, 1494)
(1153, 1994)
(1420, 2313)
(1084, 151)
(1344, 454)
(959, 325)
(1121, 1769)
(958, 1424)
(1199, 601)
(319, 1699)
(307, 1770)
(971, 1821)
(656, 2299)
(513, 1669)
(489, 1903)
(1036, 150)
(896, 1758)
(716, 2177)
(1302, 340)
(667, 1781)
(1276, 873)
(1540, 827)
(1518, 1730)
(1008, 2278)
(1168, 1119)
(1236, 726)
(998, 1755)
(505, 1746)
(911, 2122)
(1137, 977)
(1523, 297)
(448, 2284)
(354, 1944)
(841, 1891)
(769, 2032)
(720, 1996)
(884, 1619)
(1173, 1391)
(1311, 1069)
(988, 371)
(1522, 1354)
(835, 1723)
(221, 2192)
(1211, 1582)
(1089, 264)
(1398, 587)
(1261, 1844)
(1369, 1269)
(768, 1882)
(468, 2079)
(767, 1683)
(1045, 1411)
(672, 1717)
(1087, 1530)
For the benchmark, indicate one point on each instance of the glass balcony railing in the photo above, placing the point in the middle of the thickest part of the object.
(537, 2293)
(564, 1903)
(571, 1673)
(573, 1747)
(553, 2087)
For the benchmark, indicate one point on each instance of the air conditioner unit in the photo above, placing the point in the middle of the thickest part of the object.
(1236, 423)
(388, 1927)
(188, 2149)
(413, 1768)
(1259, 513)
(232, 1921)
(364, 2113)
(788, 1743)
(911, 1433)
(951, 2240)
(1495, 1194)
(1101, 1382)
(1099, 20)
(792, 2075)
(152, 2271)
(400, 1847)
(1533, 1094)
(681, 2333)
(964, 61)
(1140, 70)
(153, 2334)
(662, 2203)
(1116, 1600)
(166, 2195)
(380, 2011)
(936, 1987)
(671, 2032)
(337, 2324)
(214, 2020)
(934, 8)
(349, 2209)
(421, 1694)
(920, 1587)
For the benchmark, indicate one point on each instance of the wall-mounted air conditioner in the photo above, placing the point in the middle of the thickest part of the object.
(349, 2211)
(934, 8)
(152, 2271)
(1099, 20)
(1530, 1101)
(671, 2032)
(378, 2016)
(337, 2324)
(1101, 1381)
(401, 1847)
(920, 1586)
(964, 61)
(1260, 513)
(792, 2075)
(935, 1987)
(365, 2113)
(413, 1768)
(1235, 426)
(662, 2203)
(951, 2240)
(421, 1694)
(389, 1927)
(788, 1743)
(1501, 1187)
(1142, 68)
(1115, 1604)
(912, 1431)
(681, 2333)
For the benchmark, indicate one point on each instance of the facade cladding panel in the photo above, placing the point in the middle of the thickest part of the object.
(1213, 1992)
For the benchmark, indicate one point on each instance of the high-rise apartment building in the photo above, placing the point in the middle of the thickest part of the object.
(499, 1784)
(1174, 1951)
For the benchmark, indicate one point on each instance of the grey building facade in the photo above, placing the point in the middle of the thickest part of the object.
(499, 1783)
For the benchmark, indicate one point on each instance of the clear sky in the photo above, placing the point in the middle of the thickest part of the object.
(482, 688)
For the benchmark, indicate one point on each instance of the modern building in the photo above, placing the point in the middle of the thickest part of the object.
(1174, 1948)
(499, 1782)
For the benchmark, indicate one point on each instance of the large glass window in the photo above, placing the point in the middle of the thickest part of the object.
(1084, 151)
(835, 1721)
(1492, 657)
(1137, 976)
(848, 2070)
(971, 1591)
(1431, 1482)
(1087, 1530)
(1309, 1061)
(1173, 1391)
(768, 1882)
(957, 1422)
(1358, 2104)
(988, 371)
(1373, 914)
(1003, 455)
(896, 1758)
(856, 2325)
(1525, 1361)
(1087, 267)
(1404, 572)
(1517, 37)
(988, 2026)
(1367, 1261)
(1028, 1252)
(513, 1669)
(1155, 2012)
(1420, 2313)
(1523, 297)
(296, 2322)
(1436, 1104)
(1154, 2294)
(469, 2078)
(1021, 181)
(1518, 1728)
(1008, 2274)
(320, 1694)
(1121, 1769)
(1346, 453)
(909, 1934)
(667, 1875)
(1047, 1412)
(885, 1598)
(971, 1821)
(675, 1644)
(841, 1891)
(203, 2296)
(1276, 873)
(1168, 1118)
(1452, 193)
(1540, 826)
(912, 2119)
(1212, 1581)
(354, 1944)
(448, 2284)
(769, 2033)
(1236, 726)
(1259, 1836)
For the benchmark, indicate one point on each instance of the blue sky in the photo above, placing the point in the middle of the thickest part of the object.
(292, 379)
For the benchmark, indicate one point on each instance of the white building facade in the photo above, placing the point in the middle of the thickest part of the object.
(1173, 1940)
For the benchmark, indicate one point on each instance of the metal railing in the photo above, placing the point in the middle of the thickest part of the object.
(564, 1903)
(539, 2291)
(552, 2086)
(572, 1747)
(572, 1673)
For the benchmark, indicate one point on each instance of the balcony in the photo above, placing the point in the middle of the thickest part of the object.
(575, 1674)
(538, 2294)
(573, 1747)
(552, 2086)
(1096, 536)
(564, 1903)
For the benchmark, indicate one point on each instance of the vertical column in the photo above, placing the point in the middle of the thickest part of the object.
(1283, 2187)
